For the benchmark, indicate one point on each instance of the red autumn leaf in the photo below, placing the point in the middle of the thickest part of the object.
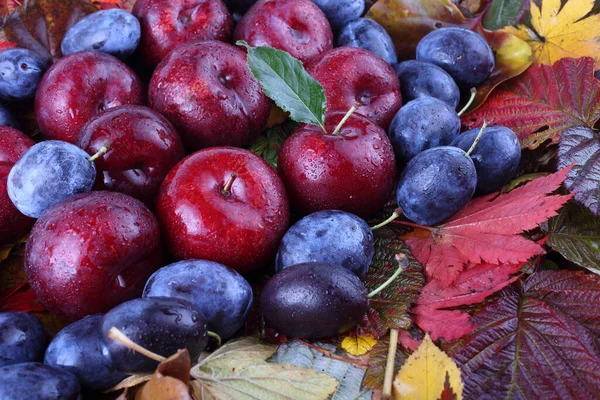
(21, 300)
(488, 230)
(473, 285)
(538, 340)
(544, 101)
(4, 44)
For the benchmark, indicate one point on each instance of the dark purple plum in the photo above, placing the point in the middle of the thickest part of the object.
(423, 79)
(367, 34)
(464, 54)
(162, 325)
(220, 293)
(422, 124)
(116, 32)
(313, 300)
(340, 12)
(47, 173)
(20, 73)
(33, 380)
(496, 156)
(436, 184)
(7, 119)
(79, 349)
(22, 338)
(333, 237)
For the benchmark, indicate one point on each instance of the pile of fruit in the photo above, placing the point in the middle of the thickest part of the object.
(123, 166)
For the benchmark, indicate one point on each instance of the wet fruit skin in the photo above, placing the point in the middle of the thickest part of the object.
(91, 252)
(496, 156)
(436, 184)
(296, 26)
(143, 146)
(20, 73)
(367, 34)
(162, 325)
(350, 75)
(79, 86)
(423, 79)
(13, 224)
(34, 380)
(313, 300)
(330, 236)
(22, 338)
(47, 173)
(221, 294)
(341, 12)
(167, 24)
(79, 349)
(207, 91)
(241, 228)
(353, 171)
(421, 124)
(113, 31)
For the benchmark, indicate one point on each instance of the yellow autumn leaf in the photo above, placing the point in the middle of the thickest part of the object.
(358, 345)
(561, 32)
(423, 375)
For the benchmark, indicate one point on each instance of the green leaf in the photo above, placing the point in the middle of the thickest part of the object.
(239, 370)
(505, 13)
(284, 79)
(575, 233)
(268, 145)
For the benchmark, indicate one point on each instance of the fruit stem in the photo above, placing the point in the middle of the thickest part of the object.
(466, 107)
(389, 366)
(102, 150)
(226, 191)
(119, 337)
(392, 217)
(468, 153)
(402, 264)
(348, 115)
(215, 336)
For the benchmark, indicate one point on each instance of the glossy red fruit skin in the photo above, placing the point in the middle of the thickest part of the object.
(351, 171)
(79, 86)
(13, 224)
(167, 24)
(91, 252)
(142, 148)
(350, 75)
(296, 26)
(241, 230)
(207, 91)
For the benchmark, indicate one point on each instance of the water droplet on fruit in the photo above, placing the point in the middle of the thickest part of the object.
(121, 281)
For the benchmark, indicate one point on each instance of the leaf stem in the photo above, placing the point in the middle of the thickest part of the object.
(215, 336)
(329, 354)
(466, 107)
(389, 366)
(348, 115)
(468, 153)
(402, 264)
(99, 153)
(119, 337)
(392, 217)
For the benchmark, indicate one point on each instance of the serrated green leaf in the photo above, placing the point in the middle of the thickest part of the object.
(239, 370)
(286, 82)
(503, 13)
(268, 145)
(575, 233)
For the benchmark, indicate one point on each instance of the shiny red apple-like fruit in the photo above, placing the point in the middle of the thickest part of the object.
(224, 204)
(79, 86)
(91, 252)
(353, 170)
(142, 148)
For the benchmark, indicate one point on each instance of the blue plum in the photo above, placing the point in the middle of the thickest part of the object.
(160, 324)
(47, 173)
(422, 124)
(7, 119)
(340, 12)
(367, 34)
(79, 349)
(220, 293)
(436, 184)
(496, 156)
(113, 31)
(22, 338)
(33, 380)
(423, 79)
(464, 54)
(334, 237)
(20, 73)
